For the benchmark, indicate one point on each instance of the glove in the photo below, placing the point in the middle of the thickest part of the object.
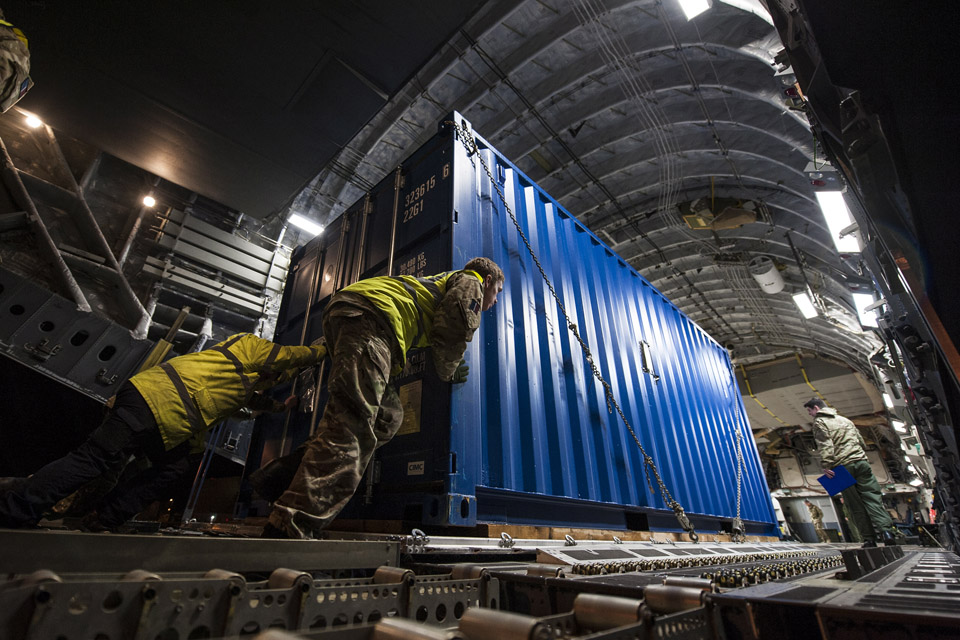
(320, 342)
(460, 375)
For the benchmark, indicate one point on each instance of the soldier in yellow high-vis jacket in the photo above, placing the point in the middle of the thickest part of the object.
(156, 414)
(369, 327)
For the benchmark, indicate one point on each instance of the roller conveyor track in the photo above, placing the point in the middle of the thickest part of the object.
(68, 585)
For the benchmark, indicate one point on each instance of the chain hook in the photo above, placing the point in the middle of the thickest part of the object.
(684, 521)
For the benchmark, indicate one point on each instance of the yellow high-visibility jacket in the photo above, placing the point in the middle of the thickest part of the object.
(441, 311)
(190, 393)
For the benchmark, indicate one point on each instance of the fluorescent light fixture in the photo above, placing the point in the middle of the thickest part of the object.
(911, 469)
(838, 218)
(887, 401)
(693, 8)
(861, 301)
(916, 482)
(803, 303)
(751, 6)
(33, 121)
(149, 201)
(907, 459)
(898, 426)
(305, 224)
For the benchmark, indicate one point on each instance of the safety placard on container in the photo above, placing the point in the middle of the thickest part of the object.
(410, 394)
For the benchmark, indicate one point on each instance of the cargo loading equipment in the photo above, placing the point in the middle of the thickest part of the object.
(413, 587)
(659, 441)
(529, 444)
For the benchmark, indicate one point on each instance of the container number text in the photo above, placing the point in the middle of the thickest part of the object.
(414, 201)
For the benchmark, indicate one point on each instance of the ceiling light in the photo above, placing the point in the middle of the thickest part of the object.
(803, 303)
(898, 426)
(861, 301)
(33, 121)
(751, 6)
(916, 482)
(149, 201)
(912, 469)
(907, 459)
(305, 224)
(887, 401)
(693, 8)
(838, 218)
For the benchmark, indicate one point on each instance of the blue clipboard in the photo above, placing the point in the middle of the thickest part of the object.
(841, 480)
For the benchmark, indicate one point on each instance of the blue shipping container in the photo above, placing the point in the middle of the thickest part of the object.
(528, 438)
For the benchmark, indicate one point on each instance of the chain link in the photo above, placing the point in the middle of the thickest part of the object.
(739, 533)
(650, 466)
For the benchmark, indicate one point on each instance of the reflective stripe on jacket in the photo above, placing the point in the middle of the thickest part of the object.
(838, 440)
(441, 311)
(190, 393)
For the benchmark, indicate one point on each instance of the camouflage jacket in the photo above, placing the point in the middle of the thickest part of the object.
(838, 440)
(815, 512)
(14, 65)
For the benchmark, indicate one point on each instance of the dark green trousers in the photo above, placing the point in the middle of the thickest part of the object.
(865, 502)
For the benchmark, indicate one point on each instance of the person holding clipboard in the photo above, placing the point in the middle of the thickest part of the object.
(841, 450)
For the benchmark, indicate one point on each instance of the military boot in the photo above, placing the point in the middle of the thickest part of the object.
(270, 481)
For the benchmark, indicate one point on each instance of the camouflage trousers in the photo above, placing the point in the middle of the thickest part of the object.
(821, 532)
(865, 501)
(362, 413)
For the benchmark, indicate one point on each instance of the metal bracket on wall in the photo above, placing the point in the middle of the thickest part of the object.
(42, 350)
(104, 379)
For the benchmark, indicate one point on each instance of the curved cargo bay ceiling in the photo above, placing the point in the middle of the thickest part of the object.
(633, 117)
(240, 101)
(673, 140)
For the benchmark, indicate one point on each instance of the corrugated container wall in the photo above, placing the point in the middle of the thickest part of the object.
(528, 439)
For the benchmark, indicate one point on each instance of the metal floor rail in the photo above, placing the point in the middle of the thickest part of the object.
(72, 586)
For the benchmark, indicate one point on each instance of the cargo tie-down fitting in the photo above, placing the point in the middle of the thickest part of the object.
(650, 467)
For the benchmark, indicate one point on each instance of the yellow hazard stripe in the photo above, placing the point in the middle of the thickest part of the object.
(806, 379)
(746, 380)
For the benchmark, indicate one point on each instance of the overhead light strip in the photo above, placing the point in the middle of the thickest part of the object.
(838, 218)
(305, 224)
(693, 8)
(803, 302)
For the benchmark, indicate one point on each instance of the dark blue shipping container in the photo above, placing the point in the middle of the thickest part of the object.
(528, 438)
